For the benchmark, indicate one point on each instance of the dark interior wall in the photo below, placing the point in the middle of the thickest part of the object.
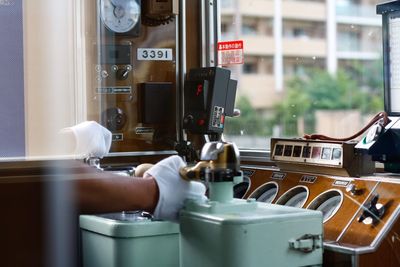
(12, 122)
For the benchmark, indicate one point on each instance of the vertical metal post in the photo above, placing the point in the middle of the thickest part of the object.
(354, 260)
(181, 61)
(217, 12)
(210, 35)
(211, 31)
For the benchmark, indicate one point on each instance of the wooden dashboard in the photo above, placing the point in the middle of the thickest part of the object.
(361, 215)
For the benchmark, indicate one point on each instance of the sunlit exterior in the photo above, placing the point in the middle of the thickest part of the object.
(287, 39)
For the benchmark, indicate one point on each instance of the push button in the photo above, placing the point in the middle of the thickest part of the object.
(201, 122)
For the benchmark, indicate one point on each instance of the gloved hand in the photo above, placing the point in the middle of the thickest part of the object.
(142, 168)
(173, 190)
(91, 139)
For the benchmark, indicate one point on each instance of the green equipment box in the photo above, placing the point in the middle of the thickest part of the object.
(128, 239)
(250, 234)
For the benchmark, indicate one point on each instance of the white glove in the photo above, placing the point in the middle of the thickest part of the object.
(91, 139)
(173, 190)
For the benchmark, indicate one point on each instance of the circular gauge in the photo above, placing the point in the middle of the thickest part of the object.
(240, 189)
(119, 15)
(326, 153)
(295, 197)
(337, 153)
(266, 192)
(328, 203)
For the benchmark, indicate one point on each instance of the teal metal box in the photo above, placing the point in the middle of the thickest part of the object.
(246, 234)
(128, 240)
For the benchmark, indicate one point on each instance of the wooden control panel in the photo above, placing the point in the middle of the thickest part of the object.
(361, 215)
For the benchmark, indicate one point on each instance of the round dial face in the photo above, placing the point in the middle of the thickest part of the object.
(268, 195)
(297, 200)
(329, 207)
(119, 15)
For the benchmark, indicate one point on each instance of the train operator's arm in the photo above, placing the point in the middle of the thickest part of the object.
(117, 193)
(161, 190)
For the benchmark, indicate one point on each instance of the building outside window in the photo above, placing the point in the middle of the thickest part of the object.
(325, 68)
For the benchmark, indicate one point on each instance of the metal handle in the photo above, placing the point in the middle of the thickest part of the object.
(195, 172)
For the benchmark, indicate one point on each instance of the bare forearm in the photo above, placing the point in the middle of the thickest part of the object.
(116, 194)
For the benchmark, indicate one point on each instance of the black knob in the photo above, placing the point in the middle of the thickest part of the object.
(371, 210)
(188, 120)
(122, 74)
(114, 119)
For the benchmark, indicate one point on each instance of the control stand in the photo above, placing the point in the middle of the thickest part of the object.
(225, 231)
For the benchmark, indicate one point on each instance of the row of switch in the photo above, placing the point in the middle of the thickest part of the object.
(314, 152)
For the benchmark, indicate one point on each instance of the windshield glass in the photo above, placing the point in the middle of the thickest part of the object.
(309, 67)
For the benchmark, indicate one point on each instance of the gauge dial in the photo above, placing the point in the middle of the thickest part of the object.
(297, 200)
(329, 207)
(328, 203)
(326, 153)
(119, 16)
(265, 193)
(268, 195)
(294, 197)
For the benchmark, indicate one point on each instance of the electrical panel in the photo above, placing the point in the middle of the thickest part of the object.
(133, 70)
(209, 97)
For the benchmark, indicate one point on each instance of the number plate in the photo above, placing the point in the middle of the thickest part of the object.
(154, 54)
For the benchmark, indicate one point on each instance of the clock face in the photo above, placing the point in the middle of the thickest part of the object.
(119, 16)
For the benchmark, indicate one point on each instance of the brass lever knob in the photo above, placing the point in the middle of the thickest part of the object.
(195, 172)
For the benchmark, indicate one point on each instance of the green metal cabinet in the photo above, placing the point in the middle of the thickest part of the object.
(128, 240)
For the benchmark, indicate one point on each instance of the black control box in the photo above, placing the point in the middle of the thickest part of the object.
(155, 103)
(209, 96)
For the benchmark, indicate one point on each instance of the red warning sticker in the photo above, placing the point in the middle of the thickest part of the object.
(230, 52)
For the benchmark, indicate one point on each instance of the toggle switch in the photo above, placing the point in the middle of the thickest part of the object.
(122, 74)
(104, 74)
(353, 190)
(373, 211)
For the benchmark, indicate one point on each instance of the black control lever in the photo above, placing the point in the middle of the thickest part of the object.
(122, 74)
(372, 210)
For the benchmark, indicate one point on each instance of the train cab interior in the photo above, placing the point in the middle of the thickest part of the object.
(193, 133)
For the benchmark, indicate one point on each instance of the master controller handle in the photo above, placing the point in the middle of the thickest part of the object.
(219, 162)
(372, 210)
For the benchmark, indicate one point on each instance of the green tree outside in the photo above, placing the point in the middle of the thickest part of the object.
(322, 91)
(250, 122)
(358, 86)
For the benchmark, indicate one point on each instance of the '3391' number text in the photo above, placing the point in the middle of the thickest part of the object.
(154, 54)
